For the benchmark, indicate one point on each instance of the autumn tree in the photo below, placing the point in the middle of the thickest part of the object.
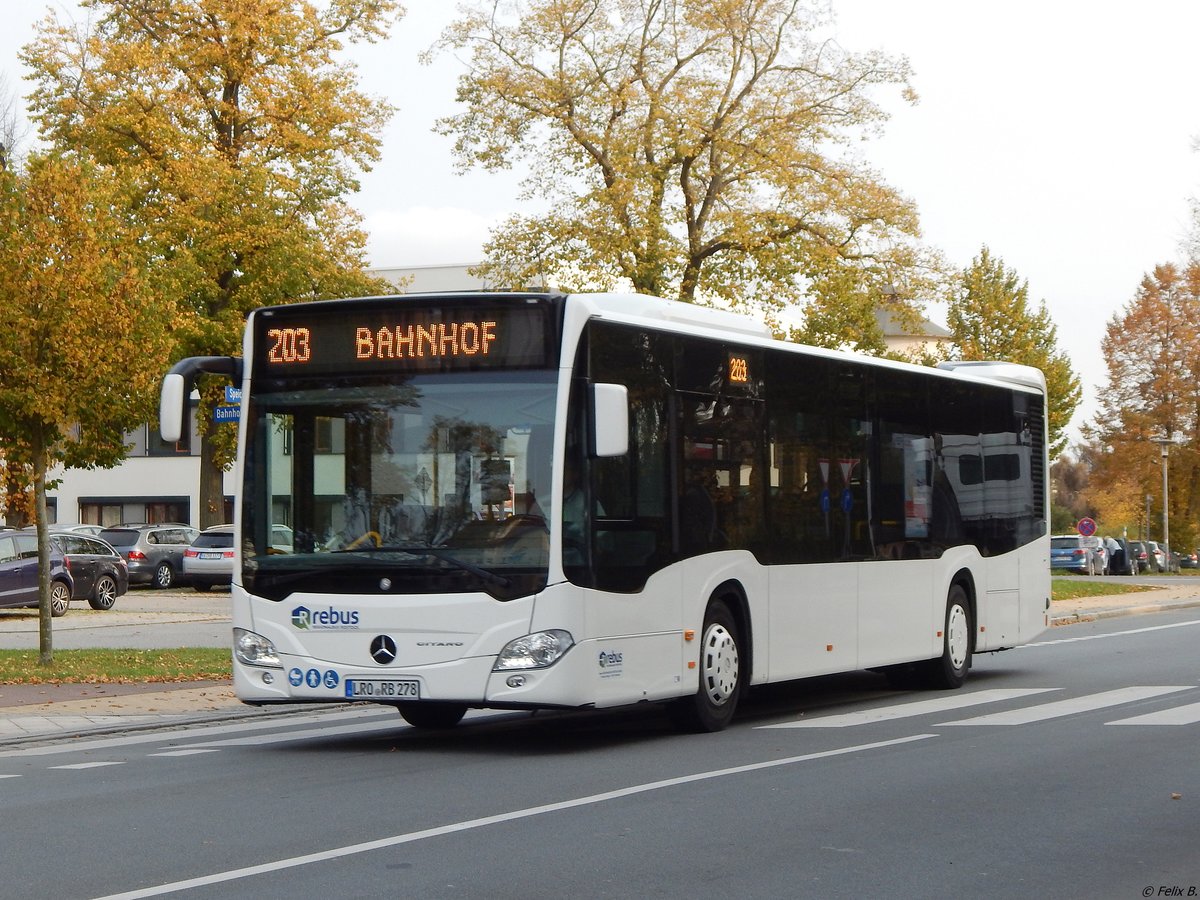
(82, 346)
(990, 317)
(12, 131)
(243, 133)
(682, 147)
(1069, 494)
(1152, 354)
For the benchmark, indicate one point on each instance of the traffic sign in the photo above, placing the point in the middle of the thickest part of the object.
(1086, 527)
(225, 413)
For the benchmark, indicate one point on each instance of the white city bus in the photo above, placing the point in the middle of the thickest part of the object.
(525, 501)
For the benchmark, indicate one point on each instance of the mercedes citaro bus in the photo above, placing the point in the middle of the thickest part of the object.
(536, 500)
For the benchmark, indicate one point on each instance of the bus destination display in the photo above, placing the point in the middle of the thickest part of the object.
(397, 337)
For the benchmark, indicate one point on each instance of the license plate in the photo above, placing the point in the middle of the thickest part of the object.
(210, 555)
(363, 689)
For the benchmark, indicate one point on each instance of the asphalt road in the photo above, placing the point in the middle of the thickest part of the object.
(1066, 768)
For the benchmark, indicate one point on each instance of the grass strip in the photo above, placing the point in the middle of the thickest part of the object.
(116, 666)
(1067, 588)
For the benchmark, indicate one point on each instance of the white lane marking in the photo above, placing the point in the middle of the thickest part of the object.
(9, 776)
(189, 752)
(171, 737)
(1071, 706)
(396, 840)
(91, 765)
(1180, 715)
(1100, 637)
(907, 710)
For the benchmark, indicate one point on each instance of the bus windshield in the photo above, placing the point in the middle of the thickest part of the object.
(433, 483)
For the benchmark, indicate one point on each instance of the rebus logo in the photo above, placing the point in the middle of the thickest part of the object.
(306, 619)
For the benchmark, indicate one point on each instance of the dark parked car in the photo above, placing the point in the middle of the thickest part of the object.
(1190, 560)
(154, 552)
(99, 574)
(1142, 556)
(19, 573)
(1121, 558)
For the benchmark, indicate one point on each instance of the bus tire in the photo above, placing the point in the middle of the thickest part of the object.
(949, 671)
(712, 707)
(432, 715)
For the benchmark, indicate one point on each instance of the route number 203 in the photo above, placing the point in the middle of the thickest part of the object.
(739, 370)
(289, 345)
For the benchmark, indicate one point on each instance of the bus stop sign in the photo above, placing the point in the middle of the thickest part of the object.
(1086, 527)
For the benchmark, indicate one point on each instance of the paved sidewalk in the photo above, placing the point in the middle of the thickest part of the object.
(31, 714)
(1136, 603)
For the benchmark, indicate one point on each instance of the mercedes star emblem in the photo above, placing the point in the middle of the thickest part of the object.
(383, 649)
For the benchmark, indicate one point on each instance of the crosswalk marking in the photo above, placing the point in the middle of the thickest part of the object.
(189, 752)
(1180, 715)
(1071, 706)
(916, 708)
(90, 765)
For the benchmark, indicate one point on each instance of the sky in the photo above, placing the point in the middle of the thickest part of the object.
(1060, 134)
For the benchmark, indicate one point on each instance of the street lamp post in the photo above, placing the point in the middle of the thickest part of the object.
(1164, 442)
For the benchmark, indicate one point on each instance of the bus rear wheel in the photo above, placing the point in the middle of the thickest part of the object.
(432, 715)
(712, 707)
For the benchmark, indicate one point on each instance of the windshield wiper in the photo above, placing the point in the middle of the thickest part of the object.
(439, 553)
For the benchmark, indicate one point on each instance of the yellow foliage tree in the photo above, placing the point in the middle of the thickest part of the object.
(81, 344)
(1152, 352)
(683, 147)
(243, 134)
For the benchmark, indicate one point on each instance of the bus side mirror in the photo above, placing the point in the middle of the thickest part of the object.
(177, 385)
(170, 408)
(610, 420)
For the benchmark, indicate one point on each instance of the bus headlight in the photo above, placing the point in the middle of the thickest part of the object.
(534, 651)
(254, 649)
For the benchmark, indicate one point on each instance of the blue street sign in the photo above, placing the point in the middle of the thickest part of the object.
(225, 413)
(232, 394)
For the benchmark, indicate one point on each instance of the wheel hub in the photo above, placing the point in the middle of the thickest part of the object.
(719, 670)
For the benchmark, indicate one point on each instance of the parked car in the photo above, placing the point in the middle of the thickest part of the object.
(154, 552)
(282, 539)
(1142, 556)
(19, 573)
(209, 559)
(99, 574)
(1190, 560)
(1121, 558)
(1074, 553)
(1100, 550)
(1159, 563)
(66, 527)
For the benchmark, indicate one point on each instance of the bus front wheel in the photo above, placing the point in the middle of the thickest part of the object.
(432, 715)
(712, 707)
(949, 670)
